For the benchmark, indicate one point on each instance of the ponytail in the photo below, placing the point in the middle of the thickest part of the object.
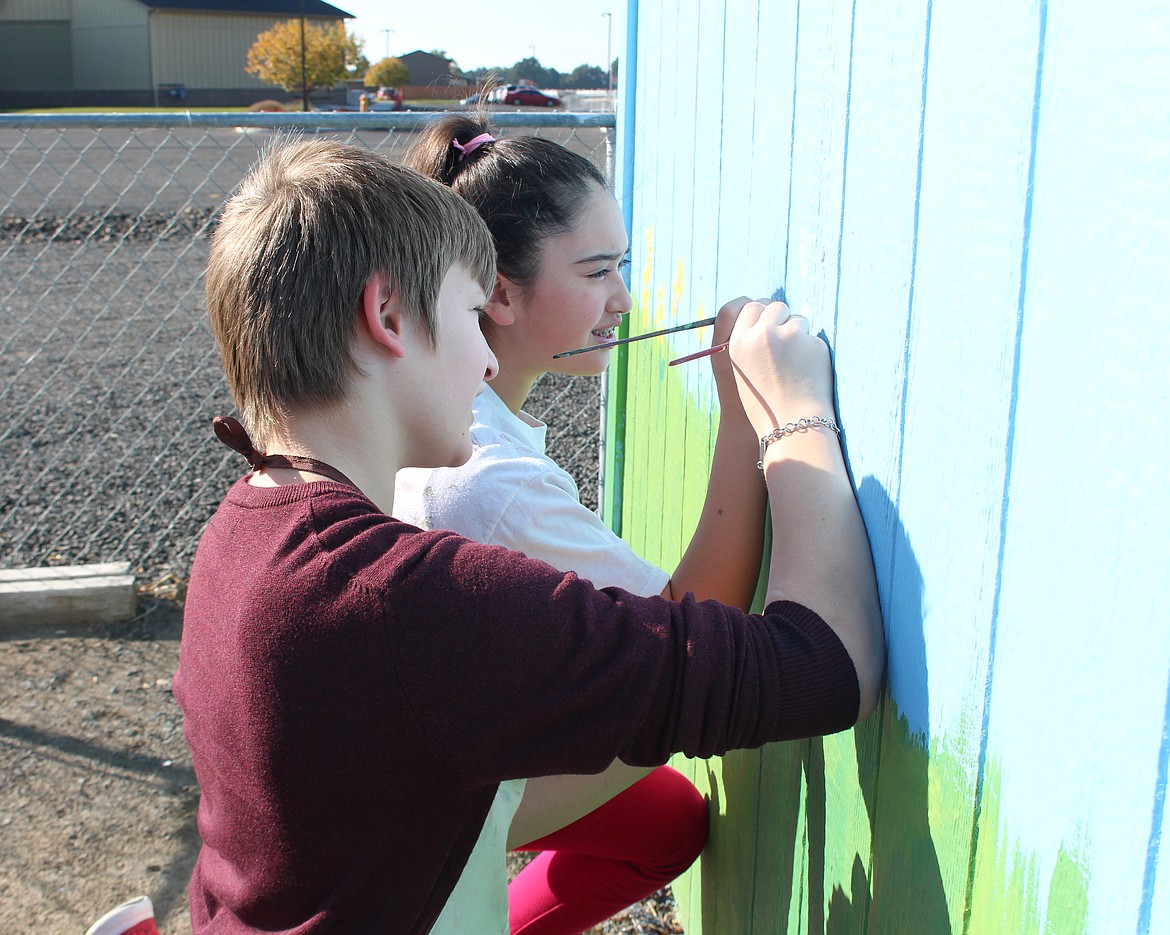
(526, 188)
(435, 154)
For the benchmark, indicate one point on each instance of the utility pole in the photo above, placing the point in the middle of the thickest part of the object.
(608, 47)
(304, 81)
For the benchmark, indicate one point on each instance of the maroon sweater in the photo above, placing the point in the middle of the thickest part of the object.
(354, 689)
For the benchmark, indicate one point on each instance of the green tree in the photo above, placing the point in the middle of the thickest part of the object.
(329, 53)
(586, 76)
(389, 72)
(531, 69)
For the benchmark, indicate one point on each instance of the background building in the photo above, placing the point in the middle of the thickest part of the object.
(428, 69)
(133, 52)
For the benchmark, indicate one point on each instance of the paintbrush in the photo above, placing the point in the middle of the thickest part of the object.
(777, 296)
(640, 337)
(706, 352)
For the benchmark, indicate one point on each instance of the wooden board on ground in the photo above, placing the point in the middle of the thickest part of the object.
(61, 596)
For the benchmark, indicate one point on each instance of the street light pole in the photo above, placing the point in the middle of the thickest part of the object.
(304, 81)
(386, 33)
(608, 59)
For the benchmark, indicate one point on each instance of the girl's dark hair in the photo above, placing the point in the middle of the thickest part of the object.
(525, 188)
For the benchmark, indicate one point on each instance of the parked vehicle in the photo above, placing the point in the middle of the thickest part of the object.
(513, 94)
(391, 96)
(383, 99)
(531, 97)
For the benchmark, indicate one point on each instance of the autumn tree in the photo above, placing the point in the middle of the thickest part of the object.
(356, 69)
(329, 53)
(388, 73)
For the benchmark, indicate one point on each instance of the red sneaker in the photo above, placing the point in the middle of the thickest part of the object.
(133, 918)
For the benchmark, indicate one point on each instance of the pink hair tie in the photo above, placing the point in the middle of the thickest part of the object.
(466, 149)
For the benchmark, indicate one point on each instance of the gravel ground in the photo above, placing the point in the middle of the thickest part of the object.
(109, 373)
(110, 380)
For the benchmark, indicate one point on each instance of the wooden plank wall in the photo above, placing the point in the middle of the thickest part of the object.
(972, 201)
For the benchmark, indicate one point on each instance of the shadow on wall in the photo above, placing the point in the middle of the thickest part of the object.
(905, 890)
(901, 889)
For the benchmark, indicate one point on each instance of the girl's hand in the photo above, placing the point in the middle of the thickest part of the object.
(783, 373)
(729, 404)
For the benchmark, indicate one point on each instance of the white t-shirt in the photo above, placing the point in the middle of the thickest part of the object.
(479, 901)
(511, 493)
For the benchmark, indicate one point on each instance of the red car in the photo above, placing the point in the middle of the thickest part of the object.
(530, 97)
(392, 96)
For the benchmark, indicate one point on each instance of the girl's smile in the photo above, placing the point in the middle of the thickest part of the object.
(577, 298)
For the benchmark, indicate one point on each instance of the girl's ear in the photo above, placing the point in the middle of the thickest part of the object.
(499, 307)
(382, 316)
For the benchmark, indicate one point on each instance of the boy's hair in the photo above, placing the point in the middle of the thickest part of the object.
(294, 249)
(525, 187)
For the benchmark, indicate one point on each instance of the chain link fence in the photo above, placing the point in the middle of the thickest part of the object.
(110, 377)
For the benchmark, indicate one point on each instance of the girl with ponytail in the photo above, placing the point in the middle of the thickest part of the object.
(609, 840)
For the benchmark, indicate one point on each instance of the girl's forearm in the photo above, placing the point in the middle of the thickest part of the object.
(725, 553)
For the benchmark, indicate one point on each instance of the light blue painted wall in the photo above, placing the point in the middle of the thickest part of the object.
(972, 201)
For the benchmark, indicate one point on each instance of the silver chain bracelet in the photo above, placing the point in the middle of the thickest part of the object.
(800, 425)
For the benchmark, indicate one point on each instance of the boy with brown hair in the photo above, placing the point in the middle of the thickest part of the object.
(354, 689)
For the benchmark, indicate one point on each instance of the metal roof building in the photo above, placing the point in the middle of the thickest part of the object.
(132, 51)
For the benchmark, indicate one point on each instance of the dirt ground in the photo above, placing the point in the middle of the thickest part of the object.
(97, 793)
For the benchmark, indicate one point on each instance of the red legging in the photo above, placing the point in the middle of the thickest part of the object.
(619, 853)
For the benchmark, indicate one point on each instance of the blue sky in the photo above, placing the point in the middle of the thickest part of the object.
(561, 33)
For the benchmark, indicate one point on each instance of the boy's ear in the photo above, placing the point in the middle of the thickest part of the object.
(499, 306)
(382, 315)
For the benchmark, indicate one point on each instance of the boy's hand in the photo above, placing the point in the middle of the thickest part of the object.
(783, 373)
